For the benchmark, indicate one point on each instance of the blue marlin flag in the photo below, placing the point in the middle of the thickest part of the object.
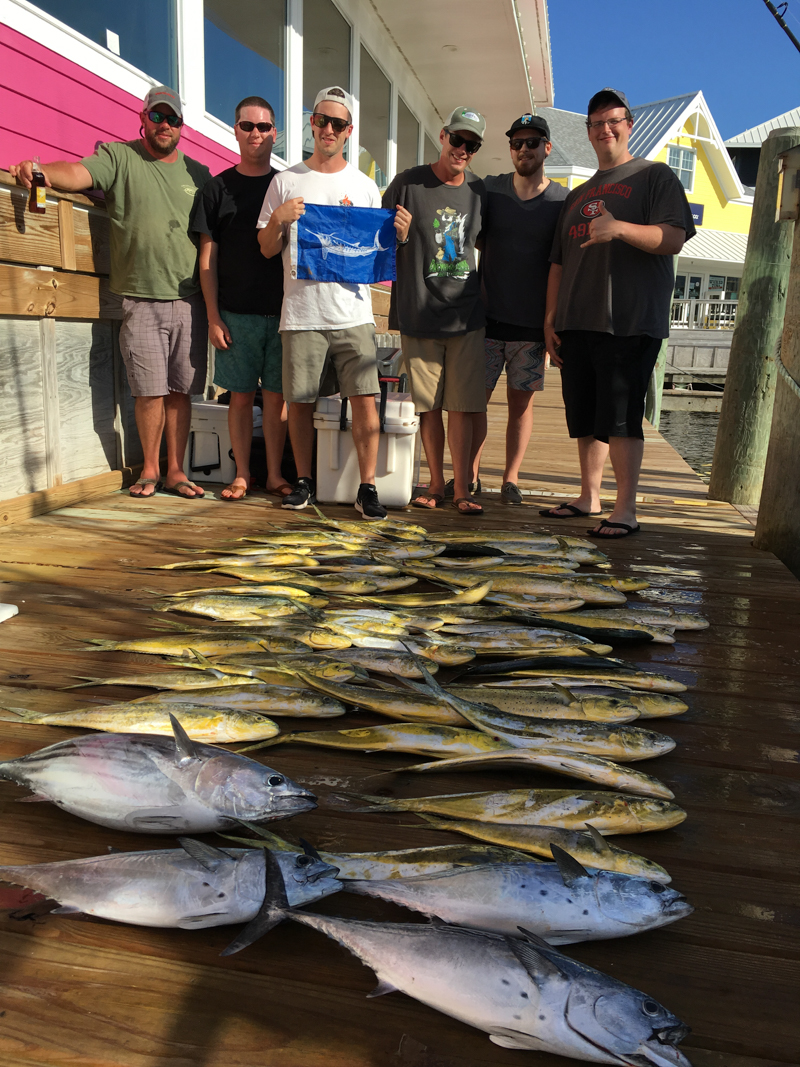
(355, 245)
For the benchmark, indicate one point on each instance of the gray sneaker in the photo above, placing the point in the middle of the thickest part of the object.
(510, 494)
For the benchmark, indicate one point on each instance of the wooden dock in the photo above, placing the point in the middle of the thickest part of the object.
(105, 995)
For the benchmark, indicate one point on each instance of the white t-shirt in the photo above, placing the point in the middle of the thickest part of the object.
(320, 305)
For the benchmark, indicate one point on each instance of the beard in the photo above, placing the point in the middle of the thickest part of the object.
(160, 146)
(526, 167)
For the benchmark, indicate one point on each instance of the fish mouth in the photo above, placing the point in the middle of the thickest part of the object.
(295, 803)
(678, 908)
(661, 1050)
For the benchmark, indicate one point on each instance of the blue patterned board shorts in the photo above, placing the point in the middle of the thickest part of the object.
(523, 360)
(254, 355)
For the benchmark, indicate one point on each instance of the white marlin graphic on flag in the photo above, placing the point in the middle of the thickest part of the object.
(333, 246)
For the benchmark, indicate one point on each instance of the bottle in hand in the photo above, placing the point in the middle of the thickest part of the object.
(38, 203)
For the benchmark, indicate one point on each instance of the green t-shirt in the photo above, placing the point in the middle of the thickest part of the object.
(153, 252)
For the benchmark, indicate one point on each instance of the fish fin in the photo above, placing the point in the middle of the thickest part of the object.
(206, 855)
(34, 798)
(274, 908)
(419, 663)
(568, 866)
(511, 1039)
(562, 689)
(185, 748)
(310, 850)
(381, 989)
(67, 909)
(200, 657)
(536, 955)
(598, 838)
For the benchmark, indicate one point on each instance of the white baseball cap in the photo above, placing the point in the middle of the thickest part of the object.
(336, 95)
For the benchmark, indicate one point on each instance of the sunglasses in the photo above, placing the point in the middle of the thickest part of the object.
(530, 142)
(158, 117)
(460, 142)
(321, 121)
(248, 127)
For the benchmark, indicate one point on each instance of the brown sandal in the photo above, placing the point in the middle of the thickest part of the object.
(280, 491)
(475, 510)
(437, 499)
(240, 489)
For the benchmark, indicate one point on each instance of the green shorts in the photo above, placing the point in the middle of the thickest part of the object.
(254, 354)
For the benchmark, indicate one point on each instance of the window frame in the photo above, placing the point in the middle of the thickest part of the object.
(391, 141)
(692, 152)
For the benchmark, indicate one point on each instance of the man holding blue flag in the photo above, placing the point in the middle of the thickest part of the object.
(325, 322)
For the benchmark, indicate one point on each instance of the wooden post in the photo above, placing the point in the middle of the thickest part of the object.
(744, 425)
(778, 528)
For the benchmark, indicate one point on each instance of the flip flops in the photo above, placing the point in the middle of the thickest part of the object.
(437, 499)
(280, 491)
(574, 513)
(475, 511)
(606, 525)
(240, 489)
(174, 490)
(155, 482)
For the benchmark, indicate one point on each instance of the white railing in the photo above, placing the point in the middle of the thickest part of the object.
(703, 314)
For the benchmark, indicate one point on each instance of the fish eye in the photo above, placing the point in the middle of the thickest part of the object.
(302, 861)
(275, 779)
(658, 887)
(649, 1007)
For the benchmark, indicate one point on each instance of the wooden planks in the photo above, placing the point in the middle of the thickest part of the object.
(24, 291)
(114, 995)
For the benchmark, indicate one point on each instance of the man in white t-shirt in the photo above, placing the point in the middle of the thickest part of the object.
(325, 322)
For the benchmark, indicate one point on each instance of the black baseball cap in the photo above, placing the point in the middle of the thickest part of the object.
(529, 122)
(607, 96)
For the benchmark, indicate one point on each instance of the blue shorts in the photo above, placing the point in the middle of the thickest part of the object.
(254, 355)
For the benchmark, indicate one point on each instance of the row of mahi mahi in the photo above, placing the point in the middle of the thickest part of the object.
(488, 892)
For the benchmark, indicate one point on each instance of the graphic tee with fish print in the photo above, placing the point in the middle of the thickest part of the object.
(320, 305)
(437, 292)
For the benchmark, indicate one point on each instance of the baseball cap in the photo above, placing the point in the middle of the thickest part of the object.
(606, 96)
(529, 122)
(162, 94)
(466, 118)
(336, 95)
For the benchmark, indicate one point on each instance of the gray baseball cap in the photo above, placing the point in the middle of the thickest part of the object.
(336, 95)
(607, 96)
(162, 94)
(466, 118)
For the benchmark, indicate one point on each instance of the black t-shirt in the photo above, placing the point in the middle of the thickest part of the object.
(437, 292)
(614, 287)
(227, 210)
(515, 260)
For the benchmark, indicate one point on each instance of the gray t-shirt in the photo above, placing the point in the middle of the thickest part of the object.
(517, 238)
(614, 287)
(437, 292)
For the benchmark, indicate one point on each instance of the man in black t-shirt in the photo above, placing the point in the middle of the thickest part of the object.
(608, 299)
(522, 212)
(243, 293)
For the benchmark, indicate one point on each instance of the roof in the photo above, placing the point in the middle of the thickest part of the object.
(717, 246)
(755, 137)
(571, 145)
(652, 123)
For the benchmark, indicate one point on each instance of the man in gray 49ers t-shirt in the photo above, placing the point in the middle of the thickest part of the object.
(608, 299)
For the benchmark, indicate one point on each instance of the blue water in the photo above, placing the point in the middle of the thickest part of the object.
(692, 434)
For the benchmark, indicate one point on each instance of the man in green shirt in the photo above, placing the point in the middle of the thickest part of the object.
(150, 191)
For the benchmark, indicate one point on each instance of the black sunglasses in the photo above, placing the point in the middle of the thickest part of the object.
(530, 142)
(158, 117)
(460, 142)
(248, 127)
(321, 121)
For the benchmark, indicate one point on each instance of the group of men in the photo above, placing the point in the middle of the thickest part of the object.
(503, 272)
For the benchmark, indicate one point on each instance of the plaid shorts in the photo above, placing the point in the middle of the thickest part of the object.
(523, 360)
(164, 345)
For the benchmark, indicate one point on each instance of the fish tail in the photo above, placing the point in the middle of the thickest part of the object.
(265, 744)
(374, 803)
(18, 715)
(85, 680)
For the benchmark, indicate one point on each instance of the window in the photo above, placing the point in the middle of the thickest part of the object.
(244, 57)
(407, 137)
(326, 57)
(431, 150)
(716, 283)
(373, 122)
(694, 288)
(680, 286)
(732, 288)
(682, 160)
(143, 34)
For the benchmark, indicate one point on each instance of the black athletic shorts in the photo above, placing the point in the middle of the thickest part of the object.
(604, 382)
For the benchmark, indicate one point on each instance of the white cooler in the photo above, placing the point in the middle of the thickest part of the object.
(338, 476)
(208, 457)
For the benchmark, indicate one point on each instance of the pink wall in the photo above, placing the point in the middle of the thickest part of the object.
(53, 108)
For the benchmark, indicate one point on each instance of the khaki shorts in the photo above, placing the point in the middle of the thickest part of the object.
(309, 354)
(164, 345)
(446, 373)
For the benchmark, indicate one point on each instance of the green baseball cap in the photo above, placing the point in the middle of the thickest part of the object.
(466, 118)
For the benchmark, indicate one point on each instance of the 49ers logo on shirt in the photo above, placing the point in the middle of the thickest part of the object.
(592, 209)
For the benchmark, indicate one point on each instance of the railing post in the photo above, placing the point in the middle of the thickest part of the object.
(744, 426)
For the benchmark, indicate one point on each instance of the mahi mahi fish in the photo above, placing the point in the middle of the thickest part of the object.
(257, 697)
(523, 993)
(649, 705)
(562, 902)
(192, 887)
(610, 813)
(550, 702)
(150, 784)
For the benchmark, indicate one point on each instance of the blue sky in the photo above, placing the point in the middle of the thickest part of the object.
(732, 50)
